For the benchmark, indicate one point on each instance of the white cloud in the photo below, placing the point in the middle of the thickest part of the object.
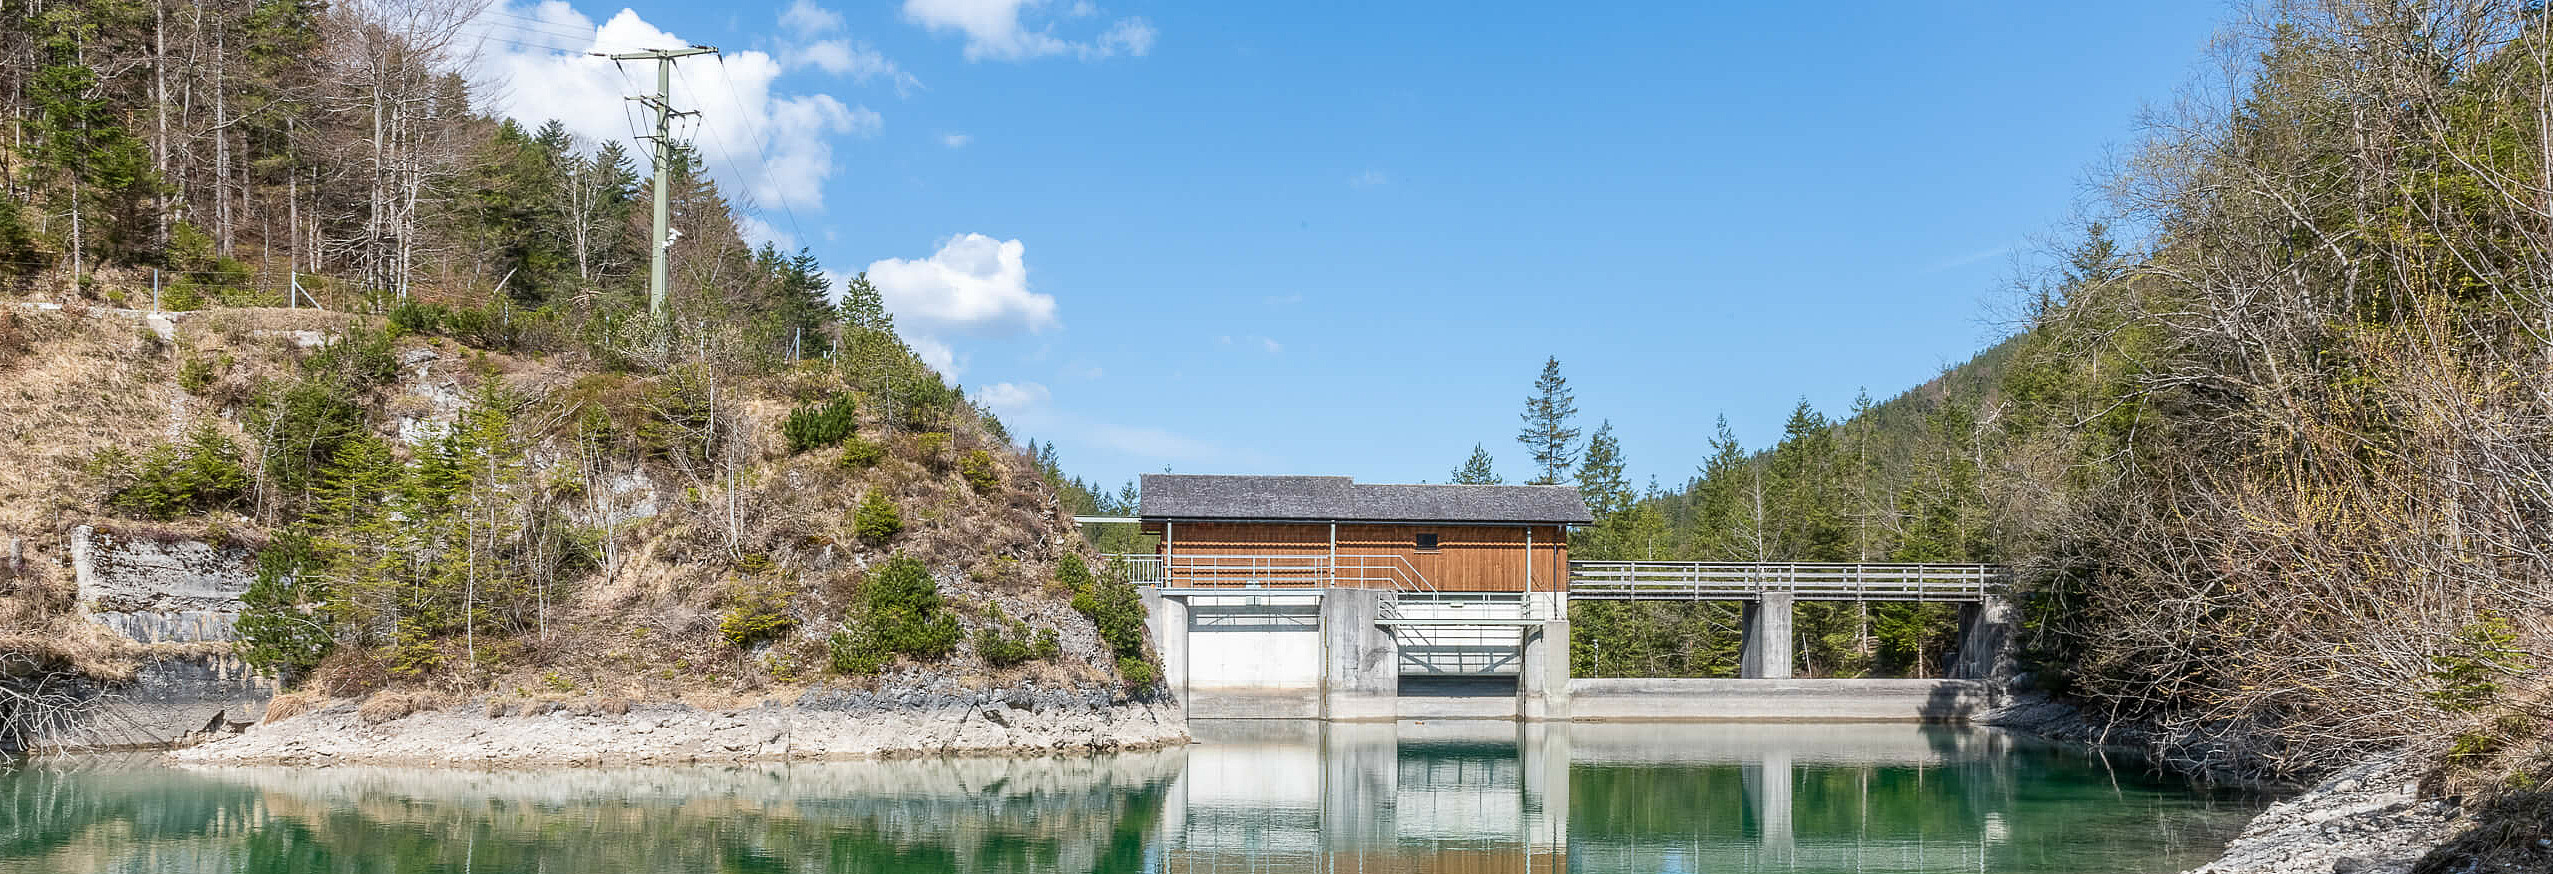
(775, 149)
(809, 43)
(756, 231)
(805, 17)
(936, 354)
(843, 57)
(994, 30)
(956, 140)
(974, 284)
(1132, 36)
(1368, 179)
(1272, 346)
(1013, 397)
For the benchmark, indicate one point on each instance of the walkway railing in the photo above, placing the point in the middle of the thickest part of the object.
(1187, 571)
(1715, 581)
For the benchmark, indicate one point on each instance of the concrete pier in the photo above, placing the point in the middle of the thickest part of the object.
(1167, 620)
(1542, 672)
(1361, 669)
(1765, 653)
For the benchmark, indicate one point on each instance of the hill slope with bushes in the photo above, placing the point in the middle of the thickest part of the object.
(434, 517)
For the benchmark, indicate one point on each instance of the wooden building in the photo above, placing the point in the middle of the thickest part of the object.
(1221, 532)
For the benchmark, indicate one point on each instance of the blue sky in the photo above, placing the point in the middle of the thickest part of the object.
(1342, 238)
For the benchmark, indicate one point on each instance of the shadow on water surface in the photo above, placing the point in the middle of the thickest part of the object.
(1488, 796)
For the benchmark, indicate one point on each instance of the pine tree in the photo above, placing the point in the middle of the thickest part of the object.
(862, 307)
(1479, 470)
(1547, 434)
(1801, 486)
(805, 312)
(1600, 478)
(1724, 519)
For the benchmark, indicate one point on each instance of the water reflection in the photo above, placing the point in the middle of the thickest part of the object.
(1253, 796)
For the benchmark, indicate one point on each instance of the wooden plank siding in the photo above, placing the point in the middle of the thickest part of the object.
(1468, 558)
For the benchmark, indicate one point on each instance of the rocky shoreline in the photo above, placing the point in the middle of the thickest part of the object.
(2365, 819)
(823, 724)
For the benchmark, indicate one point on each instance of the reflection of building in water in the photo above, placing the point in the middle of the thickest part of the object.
(1500, 796)
(1459, 796)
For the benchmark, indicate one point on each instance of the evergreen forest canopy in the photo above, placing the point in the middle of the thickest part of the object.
(227, 148)
(2272, 469)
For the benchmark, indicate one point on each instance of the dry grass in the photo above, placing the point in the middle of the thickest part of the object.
(295, 703)
(646, 628)
(394, 704)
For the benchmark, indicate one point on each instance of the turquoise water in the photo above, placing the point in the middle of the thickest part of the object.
(1267, 796)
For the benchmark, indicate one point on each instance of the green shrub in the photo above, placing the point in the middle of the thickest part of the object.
(854, 652)
(19, 257)
(2478, 657)
(756, 616)
(413, 653)
(899, 612)
(200, 474)
(819, 425)
(1137, 671)
(876, 521)
(196, 375)
(494, 325)
(280, 632)
(1009, 641)
(859, 454)
(931, 449)
(924, 400)
(414, 316)
(979, 470)
(1118, 610)
(1072, 574)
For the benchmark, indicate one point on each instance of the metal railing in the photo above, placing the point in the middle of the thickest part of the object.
(1189, 571)
(1711, 581)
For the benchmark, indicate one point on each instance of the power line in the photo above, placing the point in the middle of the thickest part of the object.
(756, 131)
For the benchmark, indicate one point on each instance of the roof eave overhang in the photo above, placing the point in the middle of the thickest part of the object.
(1272, 520)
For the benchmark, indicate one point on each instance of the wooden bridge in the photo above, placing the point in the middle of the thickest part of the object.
(1749, 581)
(1589, 580)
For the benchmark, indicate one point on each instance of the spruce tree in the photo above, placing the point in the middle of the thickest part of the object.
(1547, 435)
(1600, 478)
(1724, 518)
(1479, 470)
(862, 307)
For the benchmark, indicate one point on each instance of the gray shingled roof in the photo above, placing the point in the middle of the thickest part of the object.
(1337, 498)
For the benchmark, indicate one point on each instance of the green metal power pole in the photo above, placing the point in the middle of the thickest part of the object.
(663, 103)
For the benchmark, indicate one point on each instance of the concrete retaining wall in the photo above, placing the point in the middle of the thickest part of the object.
(169, 701)
(1776, 700)
(1248, 657)
(160, 591)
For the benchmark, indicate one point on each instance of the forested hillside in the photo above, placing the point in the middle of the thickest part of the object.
(483, 467)
(2273, 465)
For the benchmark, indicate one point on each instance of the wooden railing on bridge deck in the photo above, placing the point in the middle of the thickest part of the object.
(1741, 581)
(1191, 571)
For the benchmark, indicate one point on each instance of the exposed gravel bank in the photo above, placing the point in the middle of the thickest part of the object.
(823, 724)
(2367, 819)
